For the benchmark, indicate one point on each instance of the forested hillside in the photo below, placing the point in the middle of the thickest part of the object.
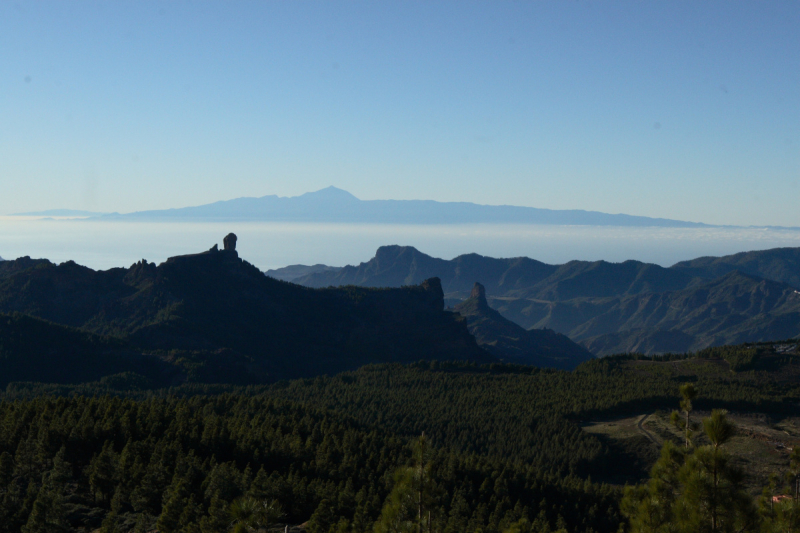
(505, 445)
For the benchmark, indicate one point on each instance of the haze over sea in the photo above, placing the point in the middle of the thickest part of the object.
(103, 245)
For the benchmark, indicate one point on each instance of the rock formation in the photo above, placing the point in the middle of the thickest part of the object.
(512, 343)
(229, 242)
(479, 292)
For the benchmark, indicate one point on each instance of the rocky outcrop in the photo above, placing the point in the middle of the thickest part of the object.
(512, 343)
(478, 291)
(478, 294)
(213, 254)
(433, 293)
(221, 308)
(229, 242)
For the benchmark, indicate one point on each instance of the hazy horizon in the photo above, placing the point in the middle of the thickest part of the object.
(268, 245)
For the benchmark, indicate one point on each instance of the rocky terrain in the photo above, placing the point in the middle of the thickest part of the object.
(214, 317)
(512, 343)
(611, 307)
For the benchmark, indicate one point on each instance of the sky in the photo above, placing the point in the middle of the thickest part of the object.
(683, 110)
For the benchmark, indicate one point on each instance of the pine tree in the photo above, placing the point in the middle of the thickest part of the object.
(37, 521)
(146, 497)
(174, 504)
(109, 524)
(25, 463)
(714, 497)
(47, 514)
(323, 519)
(687, 393)
(103, 472)
(409, 507)
(650, 508)
(697, 491)
(142, 521)
(259, 487)
(61, 472)
(225, 481)
(218, 518)
(521, 526)
(6, 471)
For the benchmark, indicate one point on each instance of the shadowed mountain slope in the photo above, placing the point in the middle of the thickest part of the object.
(394, 266)
(733, 309)
(521, 277)
(32, 349)
(777, 264)
(215, 303)
(512, 343)
(293, 272)
(690, 305)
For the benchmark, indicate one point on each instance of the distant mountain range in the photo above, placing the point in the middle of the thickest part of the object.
(607, 307)
(210, 317)
(335, 205)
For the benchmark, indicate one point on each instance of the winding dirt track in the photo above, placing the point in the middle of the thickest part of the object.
(640, 424)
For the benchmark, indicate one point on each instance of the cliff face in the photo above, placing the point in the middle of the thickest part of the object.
(215, 302)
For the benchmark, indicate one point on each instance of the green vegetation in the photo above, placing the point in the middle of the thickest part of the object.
(504, 447)
(701, 489)
(193, 464)
(693, 490)
(688, 393)
(147, 398)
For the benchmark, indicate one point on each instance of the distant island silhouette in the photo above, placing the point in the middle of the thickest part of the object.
(336, 205)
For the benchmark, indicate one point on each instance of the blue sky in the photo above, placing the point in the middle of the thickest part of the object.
(685, 110)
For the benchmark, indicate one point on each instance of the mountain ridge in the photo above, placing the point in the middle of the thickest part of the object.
(578, 297)
(198, 311)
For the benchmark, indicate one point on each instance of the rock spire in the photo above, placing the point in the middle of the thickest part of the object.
(229, 242)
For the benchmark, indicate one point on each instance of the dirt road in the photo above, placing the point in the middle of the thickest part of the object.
(640, 424)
